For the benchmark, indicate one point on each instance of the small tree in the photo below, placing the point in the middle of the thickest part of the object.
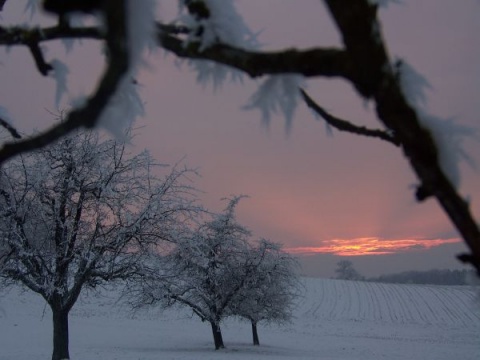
(81, 213)
(205, 271)
(271, 290)
(346, 271)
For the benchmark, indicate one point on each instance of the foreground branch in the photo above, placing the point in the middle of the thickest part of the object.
(13, 132)
(328, 62)
(374, 78)
(347, 126)
(89, 115)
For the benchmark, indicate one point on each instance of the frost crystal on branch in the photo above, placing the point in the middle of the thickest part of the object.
(447, 135)
(277, 93)
(32, 7)
(126, 105)
(124, 108)
(59, 73)
(141, 29)
(218, 23)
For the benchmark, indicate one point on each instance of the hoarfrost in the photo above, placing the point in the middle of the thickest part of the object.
(74, 20)
(223, 25)
(211, 72)
(277, 93)
(32, 7)
(447, 134)
(126, 105)
(5, 115)
(414, 85)
(59, 73)
(141, 29)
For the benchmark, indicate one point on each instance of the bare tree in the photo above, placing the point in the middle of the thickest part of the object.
(205, 271)
(271, 290)
(363, 61)
(80, 213)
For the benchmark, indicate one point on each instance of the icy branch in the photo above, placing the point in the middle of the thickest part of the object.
(374, 77)
(87, 116)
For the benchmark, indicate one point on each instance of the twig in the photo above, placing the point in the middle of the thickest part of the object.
(344, 125)
(10, 129)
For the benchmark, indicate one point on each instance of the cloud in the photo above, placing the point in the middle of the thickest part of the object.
(370, 246)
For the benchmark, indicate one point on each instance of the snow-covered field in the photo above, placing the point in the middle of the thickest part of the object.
(335, 320)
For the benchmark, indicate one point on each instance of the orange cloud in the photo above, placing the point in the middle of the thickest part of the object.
(370, 246)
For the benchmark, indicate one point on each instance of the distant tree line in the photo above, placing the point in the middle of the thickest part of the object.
(433, 277)
(346, 271)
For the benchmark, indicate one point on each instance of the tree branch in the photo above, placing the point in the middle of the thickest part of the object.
(328, 62)
(373, 77)
(87, 116)
(23, 36)
(13, 132)
(343, 125)
(33, 37)
(37, 55)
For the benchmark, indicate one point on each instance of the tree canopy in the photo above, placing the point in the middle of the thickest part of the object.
(82, 213)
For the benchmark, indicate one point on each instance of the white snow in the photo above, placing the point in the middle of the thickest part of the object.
(335, 319)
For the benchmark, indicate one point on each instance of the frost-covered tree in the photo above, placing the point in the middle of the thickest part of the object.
(270, 291)
(346, 271)
(81, 213)
(211, 33)
(205, 271)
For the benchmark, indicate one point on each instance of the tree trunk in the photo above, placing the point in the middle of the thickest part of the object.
(60, 335)
(217, 336)
(255, 333)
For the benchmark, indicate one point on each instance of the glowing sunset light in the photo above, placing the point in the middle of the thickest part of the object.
(370, 246)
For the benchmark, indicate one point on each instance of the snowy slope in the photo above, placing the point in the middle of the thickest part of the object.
(334, 320)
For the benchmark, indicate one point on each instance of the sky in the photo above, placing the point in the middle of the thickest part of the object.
(326, 197)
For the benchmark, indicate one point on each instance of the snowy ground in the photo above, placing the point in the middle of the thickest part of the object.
(335, 320)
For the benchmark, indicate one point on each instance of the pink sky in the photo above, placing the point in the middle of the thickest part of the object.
(306, 190)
